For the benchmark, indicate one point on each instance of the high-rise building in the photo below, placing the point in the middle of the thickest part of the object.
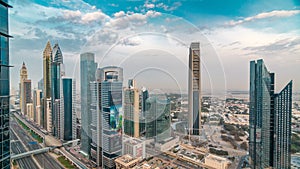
(29, 110)
(67, 110)
(41, 85)
(57, 71)
(111, 79)
(96, 122)
(131, 110)
(26, 98)
(47, 59)
(4, 86)
(194, 89)
(266, 125)
(37, 96)
(87, 74)
(25, 91)
(144, 95)
(282, 128)
(157, 118)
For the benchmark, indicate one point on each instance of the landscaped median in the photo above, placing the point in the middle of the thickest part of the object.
(33, 135)
(65, 162)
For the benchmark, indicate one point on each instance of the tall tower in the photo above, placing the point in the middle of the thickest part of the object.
(111, 79)
(23, 77)
(282, 128)
(5, 87)
(47, 59)
(57, 71)
(270, 120)
(67, 110)
(131, 110)
(194, 89)
(87, 74)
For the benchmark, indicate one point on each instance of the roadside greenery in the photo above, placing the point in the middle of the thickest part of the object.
(66, 163)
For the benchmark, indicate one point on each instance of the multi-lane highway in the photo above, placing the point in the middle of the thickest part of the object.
(17, 147)
(44, 160)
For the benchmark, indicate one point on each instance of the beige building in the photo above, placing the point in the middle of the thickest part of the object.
(25, 90)
(134, 147)
(29, 108)
(37, 106)
(126, 162)
(217, 162)
(47, 59)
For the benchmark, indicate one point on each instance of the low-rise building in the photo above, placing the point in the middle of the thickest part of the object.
(126, 162)
(217, 162)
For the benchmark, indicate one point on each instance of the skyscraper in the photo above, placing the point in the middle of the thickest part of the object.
(96, 123)
(47, 59)
(67, 110)
(23, 77)
(26, 97)
(87, 74)
(131, 110)
(282, 128)
(37, 96)
(194, 88)
(4, 86)
(261, 112)
(157, 118)
(57, 71)
(111, 79)
(266, 125)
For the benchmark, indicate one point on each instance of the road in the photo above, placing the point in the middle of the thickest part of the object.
(17, 148)
(44, 160)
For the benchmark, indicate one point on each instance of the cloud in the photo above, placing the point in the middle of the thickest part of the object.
(124, 20)
(173, 7)
(69, 14)
(264, 15)
(149, 5)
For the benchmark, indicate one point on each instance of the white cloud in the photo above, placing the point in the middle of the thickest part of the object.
(173, 7)
(149, 5)
(93, 16)
(69, 14)
(264, 15)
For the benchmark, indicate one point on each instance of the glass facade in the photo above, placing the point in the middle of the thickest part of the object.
(261, 112)
(87, 74)
(4, 88)
(282, 129)
(111, 79)
(270, 120)
(67, 92)
(157, 118)
(56, 74)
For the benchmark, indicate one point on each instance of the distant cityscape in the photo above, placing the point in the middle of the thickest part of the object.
(114, 124)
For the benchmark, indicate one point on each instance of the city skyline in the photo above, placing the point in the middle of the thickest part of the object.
(260, 19)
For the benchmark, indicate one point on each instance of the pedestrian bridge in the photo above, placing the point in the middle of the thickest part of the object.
(41, 150)
(29, 153)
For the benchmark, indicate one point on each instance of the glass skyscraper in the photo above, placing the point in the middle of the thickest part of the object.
(67, 110)
(87, 74)
(4, 86)
(157, 118)
(265, 111)
(111, 79)
(57, 71)
(282, 129)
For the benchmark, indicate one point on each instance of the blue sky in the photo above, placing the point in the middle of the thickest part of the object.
(231, 33)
